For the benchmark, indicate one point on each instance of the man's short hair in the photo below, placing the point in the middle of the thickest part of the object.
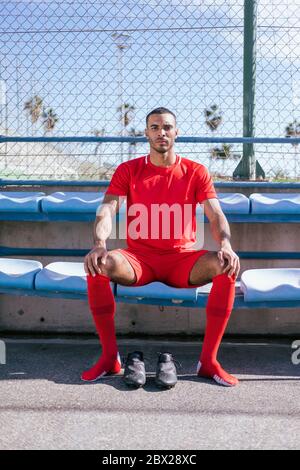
(160, 110)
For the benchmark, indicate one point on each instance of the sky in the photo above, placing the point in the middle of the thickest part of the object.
(182, 54)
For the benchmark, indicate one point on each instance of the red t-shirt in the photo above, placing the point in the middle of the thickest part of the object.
(161, 202)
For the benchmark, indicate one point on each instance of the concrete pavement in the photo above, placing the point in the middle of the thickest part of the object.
(44, 405)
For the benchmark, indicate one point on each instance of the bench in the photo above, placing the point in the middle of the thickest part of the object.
(258, 288)
(82, 206)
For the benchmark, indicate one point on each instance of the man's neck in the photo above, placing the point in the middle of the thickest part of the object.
(162, 159)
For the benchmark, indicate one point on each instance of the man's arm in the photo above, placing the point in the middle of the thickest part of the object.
(221, 233)
(103, 224)
(102, 229)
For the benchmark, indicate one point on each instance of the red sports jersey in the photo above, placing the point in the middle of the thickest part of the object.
(161, 202)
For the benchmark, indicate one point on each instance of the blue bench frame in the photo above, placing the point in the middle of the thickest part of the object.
(201, 301)
(90, 217)
(9, 251)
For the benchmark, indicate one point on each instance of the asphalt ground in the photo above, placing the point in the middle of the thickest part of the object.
(44, 405)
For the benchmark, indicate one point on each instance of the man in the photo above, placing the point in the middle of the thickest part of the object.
(155, 253)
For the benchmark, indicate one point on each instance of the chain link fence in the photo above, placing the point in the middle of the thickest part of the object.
(91, 68)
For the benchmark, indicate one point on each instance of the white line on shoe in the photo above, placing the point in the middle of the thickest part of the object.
(221, 381)
(97, 378)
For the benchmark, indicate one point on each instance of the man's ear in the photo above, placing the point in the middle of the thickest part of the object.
(177, 133)
(146, 133)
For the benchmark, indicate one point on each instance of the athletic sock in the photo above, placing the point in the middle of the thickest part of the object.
(102, 305)
(218, 310)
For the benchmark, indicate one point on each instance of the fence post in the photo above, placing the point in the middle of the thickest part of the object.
(248, 167)
(2, 352)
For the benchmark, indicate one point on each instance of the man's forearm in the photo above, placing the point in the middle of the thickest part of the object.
(102, 226)
(220, 230)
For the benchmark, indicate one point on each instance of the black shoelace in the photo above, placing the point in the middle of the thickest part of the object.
(178, 364)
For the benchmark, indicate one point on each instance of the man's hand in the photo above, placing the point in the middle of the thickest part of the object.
(229, 258)
(92, 258)
(220, 229)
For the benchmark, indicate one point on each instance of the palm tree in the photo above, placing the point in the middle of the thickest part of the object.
(222, 153)
(132, 145)
(126, 114)
(293, 130)
(34, 107)
(49, 119)
(98, 133)
(213, 117)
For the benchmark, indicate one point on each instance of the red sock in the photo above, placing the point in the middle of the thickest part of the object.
(218, 310)
(102, 305)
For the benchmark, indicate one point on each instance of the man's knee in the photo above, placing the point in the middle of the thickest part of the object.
(111, 264)
(215, 264)
(206, 268)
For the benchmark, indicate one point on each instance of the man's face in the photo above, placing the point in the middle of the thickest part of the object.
(161, 132)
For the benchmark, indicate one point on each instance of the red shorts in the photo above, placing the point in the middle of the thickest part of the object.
(171, 269)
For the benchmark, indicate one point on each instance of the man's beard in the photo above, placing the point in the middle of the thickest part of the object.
(160, 149)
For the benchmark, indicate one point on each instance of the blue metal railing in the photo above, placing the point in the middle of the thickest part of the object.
(181, 139)
(104, 183)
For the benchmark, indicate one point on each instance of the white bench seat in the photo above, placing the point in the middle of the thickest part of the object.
(275, 203)
(18, 273)
(20, 201)
(281, 285)
(62, 276)
(73, 202)
(275, 284)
